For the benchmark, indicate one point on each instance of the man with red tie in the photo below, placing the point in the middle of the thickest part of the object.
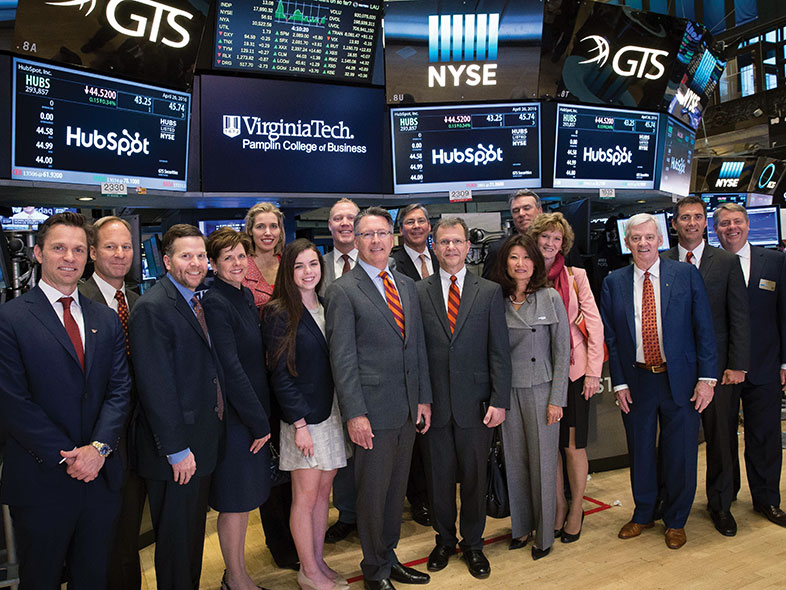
(64, 396)
(112, 255)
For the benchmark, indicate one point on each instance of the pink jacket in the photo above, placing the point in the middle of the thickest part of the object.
(587, 358)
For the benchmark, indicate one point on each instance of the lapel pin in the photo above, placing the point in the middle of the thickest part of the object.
(94, 331)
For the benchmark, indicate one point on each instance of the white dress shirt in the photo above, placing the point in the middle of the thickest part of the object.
(108, 292)
(338, 261)
(53, 295)
(415, 256)
(744, 255)
(698, 251)
(444, 278)
(373, 273)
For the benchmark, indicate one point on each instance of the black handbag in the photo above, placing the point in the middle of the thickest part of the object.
(277, 477)
(497, 500)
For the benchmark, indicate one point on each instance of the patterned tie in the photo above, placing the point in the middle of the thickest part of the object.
(454, 299)
(73, 330)
(689, 257)
(423, 267)
(393, 301)
(122, 311)
(649, 325)
(346, 268)
(200, 315)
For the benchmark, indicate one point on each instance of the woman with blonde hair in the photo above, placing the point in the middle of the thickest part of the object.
(265, 227)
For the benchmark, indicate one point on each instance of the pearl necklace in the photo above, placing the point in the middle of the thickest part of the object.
(514, 302)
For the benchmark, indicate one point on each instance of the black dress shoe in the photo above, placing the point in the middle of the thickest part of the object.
(477, 563)
(724, 522)
(518, 543)
(657, 511)
(772, 513)
(539, 553)
(384, 584)
(339, 531)
(569, 538)
(438, 558)
(421, 514)
(408, 575)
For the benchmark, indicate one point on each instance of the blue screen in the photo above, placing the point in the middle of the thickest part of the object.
(764, 227)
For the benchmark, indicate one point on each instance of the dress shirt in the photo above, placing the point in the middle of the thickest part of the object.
(53, 295)
(338, 261)
(373, 273)
(744, 255)
(444, 278)
(415, 256)
(108, 292)
(698, 251)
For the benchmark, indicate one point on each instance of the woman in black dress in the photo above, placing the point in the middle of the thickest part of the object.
(241, 481)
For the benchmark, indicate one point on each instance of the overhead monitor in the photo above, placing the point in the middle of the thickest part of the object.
(8, 10)
(678, 144)
(598, 147)
(764, 229)
(664, 231)
(455, 51)
(29, 218)
(729, 175)
(329, 39)
(73, 127)
(478, 147)
(208, 226)
(767, 175)
(713, 201)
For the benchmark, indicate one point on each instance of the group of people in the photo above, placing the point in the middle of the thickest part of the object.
(379, 375)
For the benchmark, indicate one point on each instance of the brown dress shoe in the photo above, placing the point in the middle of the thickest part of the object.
(675, 538)
(633, 529)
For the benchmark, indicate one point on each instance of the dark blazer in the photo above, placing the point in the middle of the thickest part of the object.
(176, 375)
(471, 365)
(767, 315)
(686, 320)
(491, 256)
(374, 374)
(405, 265)
(725, 286)
(90, 289)
(310, 394)
(48, 404)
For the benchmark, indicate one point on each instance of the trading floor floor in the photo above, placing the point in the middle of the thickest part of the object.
(755, 558)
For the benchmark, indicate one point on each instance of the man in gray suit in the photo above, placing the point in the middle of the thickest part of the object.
(112, 255)
(470, 368)
(378, 355)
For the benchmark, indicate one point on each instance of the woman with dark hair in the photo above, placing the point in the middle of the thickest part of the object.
(313, 446)
(241, 481)
(540, 351)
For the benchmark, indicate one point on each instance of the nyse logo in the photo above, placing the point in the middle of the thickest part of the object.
(688, 99)
(616, 156)
(630, 61)
(136, 24)
(479, 156)
(463, 38)
(231, 125)
(729, 175)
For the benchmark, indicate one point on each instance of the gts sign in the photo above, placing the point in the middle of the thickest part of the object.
(631, 61)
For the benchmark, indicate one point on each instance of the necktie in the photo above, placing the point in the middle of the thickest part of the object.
(649, 325)
(122, 312)
(73, 330)
(689, 257)
(346, 268)
(423, 267)
(454, 299)
(393, 301)
(200, 315)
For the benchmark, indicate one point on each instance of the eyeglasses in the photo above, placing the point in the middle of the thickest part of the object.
(445, 243)
(368, 235)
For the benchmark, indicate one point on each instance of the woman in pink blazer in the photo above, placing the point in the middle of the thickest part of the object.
(555, 239)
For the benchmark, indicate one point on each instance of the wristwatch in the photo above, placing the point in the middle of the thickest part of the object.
(102, 448)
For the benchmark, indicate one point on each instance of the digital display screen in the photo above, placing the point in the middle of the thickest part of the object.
(767, 175)
(664, 231)
(152, 261)
(282, 136)
(331, 39)
(25, 218)
(604, 148)
(207, 227)
(714, 201)
(677, 160)
(455, 51)
(764, 227)
(83, 128)
(480, 147)
(732, 175)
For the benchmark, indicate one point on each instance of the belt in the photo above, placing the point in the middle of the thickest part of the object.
(652, 369)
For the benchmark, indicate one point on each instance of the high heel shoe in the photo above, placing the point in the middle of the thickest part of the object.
(568, 538)
(539, 553)
(226, 586)
(304, 582)
(518, 543)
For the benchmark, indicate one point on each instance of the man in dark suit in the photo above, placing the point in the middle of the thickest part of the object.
(179, 424)
(112, 255)
(765, 276)
(64, 397)
(725, 288)
(524, 207)
(378, 355)
(470, 369)
(663, 363)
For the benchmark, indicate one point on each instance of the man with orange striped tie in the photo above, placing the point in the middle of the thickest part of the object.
(470, 368)
(378, 355)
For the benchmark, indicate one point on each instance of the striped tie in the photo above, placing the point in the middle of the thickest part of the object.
(393, 301)
(454, 299)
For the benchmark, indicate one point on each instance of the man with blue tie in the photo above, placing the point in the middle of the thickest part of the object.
(663, 362)
(64, 397)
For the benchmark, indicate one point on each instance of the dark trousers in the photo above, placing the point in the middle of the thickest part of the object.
(679, 425)
(719, 421)
(460, 455)
(178, 513)
(417, 484)
(124, 571)
(77, 534)
(344, 492)
(381, 481)
(274, 514)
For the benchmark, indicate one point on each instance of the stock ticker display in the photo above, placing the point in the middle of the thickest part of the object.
(677, 159)
(604, 148)
(331, 39)
(479, 147)
(83, 128)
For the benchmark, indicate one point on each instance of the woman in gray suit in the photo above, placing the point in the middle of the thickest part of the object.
(540, 351)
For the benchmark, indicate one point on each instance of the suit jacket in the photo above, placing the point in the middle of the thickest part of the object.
(587, 356)
(309, 395)
(405, 265)
(89, 288)
(376, 373)
(330, 270)
(767, 315)
(48, 403)
(471, 365)
(176, 376)
(686, 321)
(725, 285)
(491, 256)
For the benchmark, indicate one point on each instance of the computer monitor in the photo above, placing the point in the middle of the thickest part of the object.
(664, 230)
(764, 227)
